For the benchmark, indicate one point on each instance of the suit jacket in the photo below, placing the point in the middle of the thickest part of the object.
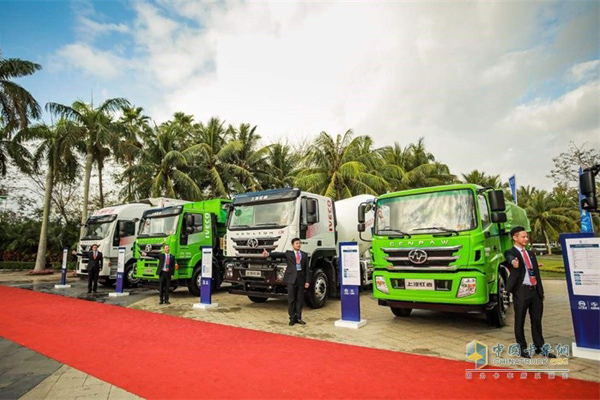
(291, 273)
(161, 263)
(97, 263)
(517, 275)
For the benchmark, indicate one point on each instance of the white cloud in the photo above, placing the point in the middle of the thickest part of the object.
(456, 73)
(92, 62)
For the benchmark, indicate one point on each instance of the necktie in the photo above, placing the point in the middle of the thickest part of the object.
(529, 267)
(297, 257)
(94, 255)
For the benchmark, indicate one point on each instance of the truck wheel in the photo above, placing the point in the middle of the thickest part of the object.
(194, 283)
(217, 276)
(401, 312)
(497, 315)
(319, 290)
(256, 299)
(130, 280)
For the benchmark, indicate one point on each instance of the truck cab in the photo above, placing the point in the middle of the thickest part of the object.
(111, 228)
(269, 220)
(185, 228)
(443, 248)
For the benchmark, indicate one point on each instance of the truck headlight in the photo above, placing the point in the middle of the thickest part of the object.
(381, 285)
(280, 272)
(229, 271)
(468, 287)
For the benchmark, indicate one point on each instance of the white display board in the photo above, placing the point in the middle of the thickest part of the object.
(121, 260)
(350, 265)
(64, 260)
(207, 256)
(584, 261)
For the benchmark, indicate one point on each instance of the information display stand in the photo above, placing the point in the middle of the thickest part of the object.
(349, 264)
(206, 281)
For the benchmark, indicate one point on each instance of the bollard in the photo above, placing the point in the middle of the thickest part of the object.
(120, 275)
(206, 281)
(349, 264)
(63, 276)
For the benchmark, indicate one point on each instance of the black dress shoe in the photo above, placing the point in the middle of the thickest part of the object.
(301, 322)
(161, 302)
(525, 354)
(549, 355)
(292, 322)
(167, 302)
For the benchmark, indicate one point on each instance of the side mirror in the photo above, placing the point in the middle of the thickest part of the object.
(189, 220)
(587, 186)
(189, 229)
(499, 217)
(497, 200)
(361, 214)
(311, 207)
(361, 227)
(311, 218)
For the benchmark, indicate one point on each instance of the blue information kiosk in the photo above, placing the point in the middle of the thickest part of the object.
(349, 264)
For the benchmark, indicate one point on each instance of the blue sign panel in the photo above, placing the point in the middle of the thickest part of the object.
(512, 182)
(349, 264)
(206, 276)
(581, 255)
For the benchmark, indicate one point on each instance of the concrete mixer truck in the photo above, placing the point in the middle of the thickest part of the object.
(268, 220)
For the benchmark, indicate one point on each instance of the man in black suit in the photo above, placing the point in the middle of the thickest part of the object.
(95, 260)
(525, 283)
(166, 269)
(297, 277)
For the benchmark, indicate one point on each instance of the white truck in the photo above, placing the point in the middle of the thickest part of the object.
(111, 228)
(269, 220)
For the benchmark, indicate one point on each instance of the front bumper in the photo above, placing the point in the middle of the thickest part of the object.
(444, 294)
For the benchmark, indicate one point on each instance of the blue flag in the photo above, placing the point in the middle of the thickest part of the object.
(586, 217)
(513, 187)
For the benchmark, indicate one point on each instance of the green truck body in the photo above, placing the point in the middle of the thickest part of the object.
(185, 228)
(443, 248)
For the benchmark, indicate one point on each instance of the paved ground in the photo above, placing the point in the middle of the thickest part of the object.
(424, 332)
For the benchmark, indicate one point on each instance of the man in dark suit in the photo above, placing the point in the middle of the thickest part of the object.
(95, 260)
(297, 276)
(166, 269)
(525, 283)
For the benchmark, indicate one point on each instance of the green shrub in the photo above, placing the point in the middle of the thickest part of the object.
(17, 265)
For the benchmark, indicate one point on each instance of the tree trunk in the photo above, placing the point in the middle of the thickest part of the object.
(40, 259)
(86, 190)
(100, 186)
(547, 242)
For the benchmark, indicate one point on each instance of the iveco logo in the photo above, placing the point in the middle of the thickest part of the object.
(417, 256)
(148, 248)
(252, 243)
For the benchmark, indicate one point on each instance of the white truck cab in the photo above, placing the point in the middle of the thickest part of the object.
(269, 220)
(111, 228)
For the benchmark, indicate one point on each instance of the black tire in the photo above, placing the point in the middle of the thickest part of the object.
(194, 283)
(217, 277)
(256, 299)
(318, 291)
(401, 312)
(497, 315)
(129, 280)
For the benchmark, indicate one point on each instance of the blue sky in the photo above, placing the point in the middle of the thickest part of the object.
(473, 79)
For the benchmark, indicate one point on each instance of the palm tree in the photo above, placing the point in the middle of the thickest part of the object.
(98, 133)
(412, 167)
(215, 149)
(281, 161)
(480, 178)
(251, 160)
(12, 149)
(164, 166)
(56, 151)
(340, 168)
(17, 105)
(545, 218)
(134, 128)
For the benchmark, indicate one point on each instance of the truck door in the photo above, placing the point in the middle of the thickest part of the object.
(195, 233)
(311, 232)
(490, 232)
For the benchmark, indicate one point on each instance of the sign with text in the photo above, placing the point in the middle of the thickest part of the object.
(350, 262)
(581, 255)
(206, 275)
(120, 269)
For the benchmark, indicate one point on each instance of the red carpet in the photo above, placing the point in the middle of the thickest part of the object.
(158, 356)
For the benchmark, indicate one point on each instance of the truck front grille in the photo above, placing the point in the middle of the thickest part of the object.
(154, 248)
(421, 258)
(254, 246)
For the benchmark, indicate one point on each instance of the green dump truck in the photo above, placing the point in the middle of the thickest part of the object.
(185, 228)
(443, 248)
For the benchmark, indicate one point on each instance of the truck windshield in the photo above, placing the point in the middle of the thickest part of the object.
(96, 230)
(450, 210)
(159, 226)
(262, 215)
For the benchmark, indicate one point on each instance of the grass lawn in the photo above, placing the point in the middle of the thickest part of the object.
(554, 267)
